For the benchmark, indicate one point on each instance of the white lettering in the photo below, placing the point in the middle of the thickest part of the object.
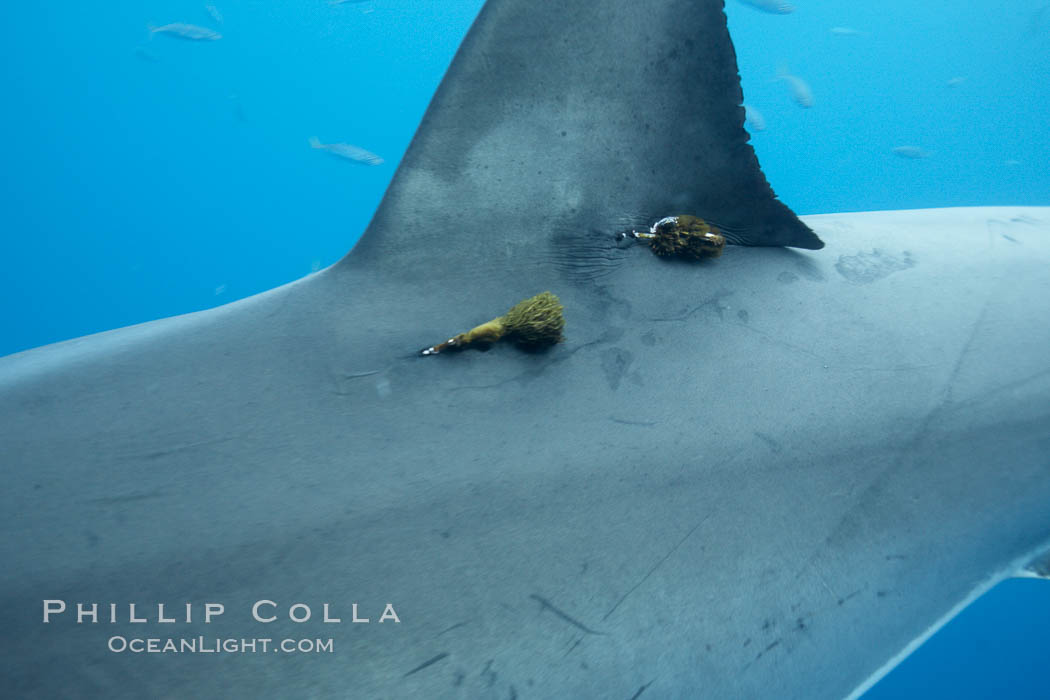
(82, 613)
(291, 612)
(131, 615)
(123, 644)
(356, 618)
(255, 610)
(389, 614)
(327, 618)
(213, 609)
(50, 608)
(160, 614)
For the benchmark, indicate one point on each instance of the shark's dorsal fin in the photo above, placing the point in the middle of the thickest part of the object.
(627, 113)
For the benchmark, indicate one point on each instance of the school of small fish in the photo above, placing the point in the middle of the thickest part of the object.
(802, 94)
(800, 91)
(193, 32)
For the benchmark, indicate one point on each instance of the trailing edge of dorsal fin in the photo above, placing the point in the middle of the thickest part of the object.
(1039, 567)
(563, 119)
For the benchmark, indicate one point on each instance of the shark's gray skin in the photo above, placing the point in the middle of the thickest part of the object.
(761, 477)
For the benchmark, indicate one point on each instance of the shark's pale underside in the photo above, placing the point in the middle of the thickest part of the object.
(767, 476)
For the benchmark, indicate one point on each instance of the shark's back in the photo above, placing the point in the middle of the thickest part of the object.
(764, 476)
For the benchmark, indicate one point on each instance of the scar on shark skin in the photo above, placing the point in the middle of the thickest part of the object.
(547, 605)
(428, 662)
(642, 690)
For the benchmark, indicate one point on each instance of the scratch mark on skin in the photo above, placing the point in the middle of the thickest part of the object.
(641, 423)
(854, 594)
(547, 605)
(428, 662)
(358, 375)
(943, 403)
(342, 378)
(985, 396)
(783, 343)
(488, 674)
(824, 583)
(761, 653)
(574, 645)
(176, 449)
(563, 354)
(127, 498)
(449, 629)
(715, 301)
(896, 368)
(773, 445)
(655, 567)
(642, 690)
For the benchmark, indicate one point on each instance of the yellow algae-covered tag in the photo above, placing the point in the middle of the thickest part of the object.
(532, 324)
(683, 236)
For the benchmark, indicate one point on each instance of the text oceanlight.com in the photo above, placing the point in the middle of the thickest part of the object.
(204, 645)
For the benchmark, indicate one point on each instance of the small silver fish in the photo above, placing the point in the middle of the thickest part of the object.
(845, 31)
(956, 81)
(800, 91)
(186, 31)
(334, 3)
(776, 7)
(214, 12)
(345, 150)
(754, 118)
(912, 152)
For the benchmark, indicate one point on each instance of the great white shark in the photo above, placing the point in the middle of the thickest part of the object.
(767, 476)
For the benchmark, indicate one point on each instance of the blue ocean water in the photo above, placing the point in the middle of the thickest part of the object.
(146, 177)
